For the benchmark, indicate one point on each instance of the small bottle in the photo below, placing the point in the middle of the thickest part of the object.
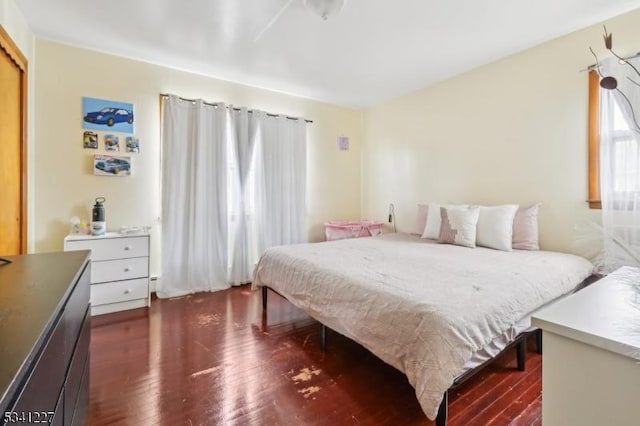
(98, 217)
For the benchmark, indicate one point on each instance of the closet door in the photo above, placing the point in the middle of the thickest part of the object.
(13, 182)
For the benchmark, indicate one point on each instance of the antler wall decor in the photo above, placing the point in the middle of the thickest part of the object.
(610, 82)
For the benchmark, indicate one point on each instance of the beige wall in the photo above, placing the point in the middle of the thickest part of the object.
(511, 131)
(63, 170)
(16, 26)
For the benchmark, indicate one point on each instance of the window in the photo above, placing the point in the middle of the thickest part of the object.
(241, 201)
(625, 158)
(625, 155)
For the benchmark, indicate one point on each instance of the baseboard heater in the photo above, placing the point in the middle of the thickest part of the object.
(153, 281)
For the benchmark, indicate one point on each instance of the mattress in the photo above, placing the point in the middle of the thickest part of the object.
(494, 347)
(422, 307)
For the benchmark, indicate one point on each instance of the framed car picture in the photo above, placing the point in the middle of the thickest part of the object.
(111, 165)
(111, 143)
(133, 144)
(100, 114)
(90, 140)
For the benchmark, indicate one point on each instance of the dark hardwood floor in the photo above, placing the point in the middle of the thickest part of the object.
(211, 359)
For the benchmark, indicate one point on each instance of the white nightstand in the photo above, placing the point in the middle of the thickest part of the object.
(119, 270)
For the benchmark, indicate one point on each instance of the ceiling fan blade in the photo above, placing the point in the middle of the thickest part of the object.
(273, 20)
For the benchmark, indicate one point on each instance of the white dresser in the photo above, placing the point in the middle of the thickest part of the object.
(119, 270)
(591, 359)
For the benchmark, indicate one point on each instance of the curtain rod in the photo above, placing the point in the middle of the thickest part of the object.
(165, 95)
(593, 66)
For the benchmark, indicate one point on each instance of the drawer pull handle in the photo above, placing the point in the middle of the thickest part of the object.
(127, 291)
(127, 248)
(127, 269)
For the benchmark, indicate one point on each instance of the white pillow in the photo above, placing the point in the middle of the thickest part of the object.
(459, 226)
(495, 226)
(421, 218)
(432, 227)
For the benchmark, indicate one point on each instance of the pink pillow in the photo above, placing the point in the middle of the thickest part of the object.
(525, 228)
(421, 219)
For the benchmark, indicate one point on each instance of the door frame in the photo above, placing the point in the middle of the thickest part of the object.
(14, 53)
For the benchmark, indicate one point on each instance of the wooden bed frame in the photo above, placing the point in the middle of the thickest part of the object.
(520, 343)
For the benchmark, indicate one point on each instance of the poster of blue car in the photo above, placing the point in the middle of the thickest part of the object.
(100, 114)
(109, 165)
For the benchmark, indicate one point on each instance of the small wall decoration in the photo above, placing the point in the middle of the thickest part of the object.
(90, 140)
(111, 143)
(109, 165)
(133, 144)
(100, 114)
(343, 143)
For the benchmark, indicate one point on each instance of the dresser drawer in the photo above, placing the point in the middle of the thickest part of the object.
(112, 248)
(82, 402)
(118, 270)
(76, 308)
(74, 376)
(47, 378)
(119, 291)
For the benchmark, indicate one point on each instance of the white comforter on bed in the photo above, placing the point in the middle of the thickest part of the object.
(420, 306)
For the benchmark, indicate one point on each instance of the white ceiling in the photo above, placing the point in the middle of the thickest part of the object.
(372, 51)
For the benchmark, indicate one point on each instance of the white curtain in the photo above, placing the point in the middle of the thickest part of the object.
(194, 198)
(620, 166)
(244, 227)
(233, 184)
(281, 158)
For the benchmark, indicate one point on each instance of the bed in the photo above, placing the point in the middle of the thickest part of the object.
(433, 311)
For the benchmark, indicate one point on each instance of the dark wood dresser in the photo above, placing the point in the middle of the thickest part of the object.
(45, 328)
